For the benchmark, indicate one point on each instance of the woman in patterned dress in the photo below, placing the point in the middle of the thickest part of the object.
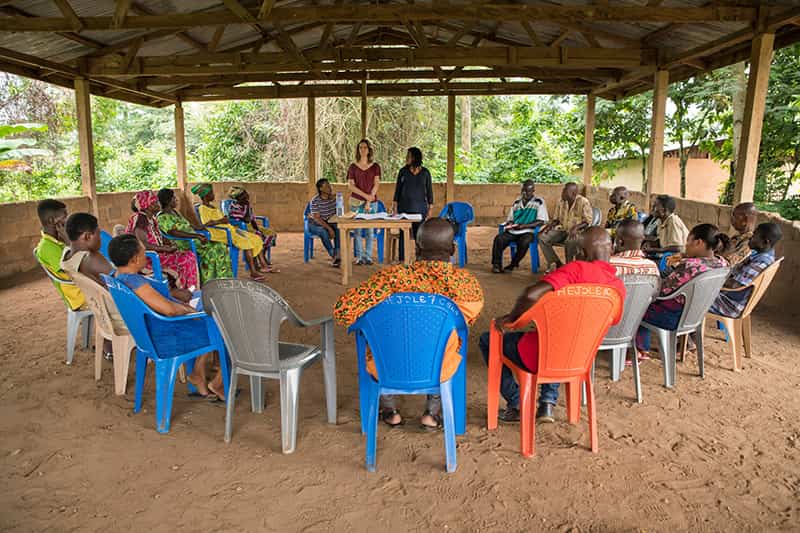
(214, 259)
(180, 265)
(241, 210)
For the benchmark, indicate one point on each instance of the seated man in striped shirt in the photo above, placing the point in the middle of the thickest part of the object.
(629, 257)
(730, 302)
(322, 208)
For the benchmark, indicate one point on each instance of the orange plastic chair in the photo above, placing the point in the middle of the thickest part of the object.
(572, 323)
(738, 329)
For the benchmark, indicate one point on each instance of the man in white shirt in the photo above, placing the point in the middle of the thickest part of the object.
(527, 213)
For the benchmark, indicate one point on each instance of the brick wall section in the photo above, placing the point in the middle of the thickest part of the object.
(284, 204)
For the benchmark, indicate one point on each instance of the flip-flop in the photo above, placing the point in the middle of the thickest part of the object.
(386, 414)
(438, 420)
(197, 395)
(213, 398)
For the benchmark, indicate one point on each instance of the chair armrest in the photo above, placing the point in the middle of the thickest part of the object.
(158, 274)
(227, 232)
(736, 289)
(190, 316)
(501, 228)
(264, 221)
(316, 322)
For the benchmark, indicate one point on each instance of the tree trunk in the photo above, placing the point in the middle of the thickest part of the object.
(466, 126)
(738, 102)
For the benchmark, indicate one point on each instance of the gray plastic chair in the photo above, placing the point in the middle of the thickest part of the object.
(639, 292)
(699, 294)
(249, 316)
(597, 216)
(82, 319)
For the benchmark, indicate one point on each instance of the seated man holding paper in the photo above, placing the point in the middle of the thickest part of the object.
(527, 213)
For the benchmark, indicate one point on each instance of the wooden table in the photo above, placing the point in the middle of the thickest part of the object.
(346, 225)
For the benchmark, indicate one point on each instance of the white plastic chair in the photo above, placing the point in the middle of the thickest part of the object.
(81, 319)
(699, 294)
(249, 316)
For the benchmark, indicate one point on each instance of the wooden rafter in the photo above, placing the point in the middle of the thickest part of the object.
(215, 39)
(120, 12)
(266, 7)
(531, 33)
(71, 17)
(393, 13)
(72, 36)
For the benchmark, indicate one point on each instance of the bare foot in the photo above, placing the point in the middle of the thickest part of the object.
(199, 383)
(256, 276)
(429, 421)
(217, 389)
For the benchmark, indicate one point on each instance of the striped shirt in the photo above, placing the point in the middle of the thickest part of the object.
(527, 213)
(732, 303)
(633, 262)
(325, 208)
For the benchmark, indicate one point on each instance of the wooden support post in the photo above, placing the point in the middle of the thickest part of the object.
(655, 162)
(364, 117)
(180, 148)
(311, 114)
(588, 141)
(747, 162)
(85, 143)
(451, 148)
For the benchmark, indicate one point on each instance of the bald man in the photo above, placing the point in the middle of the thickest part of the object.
(522, 348)
(743, 220)
(573, 214)
(432, 273)
(621, 209)
(628, 258)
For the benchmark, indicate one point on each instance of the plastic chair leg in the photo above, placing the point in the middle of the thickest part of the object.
(182, 374)
(746, 335)
(592, 414)
(528, 390)
(166, 371)
(86, 330)
(141, 370)
(734, 341)
(668, 345)
(699, 337)
(122, 345)
(380, 243)
(256, 394)
(229, 404)
(329, 371)
(637, 383)
(533, 251)
(72, 334)
(573, 394)
(290, 392)
(583, 385)
(617, 362)
(372, 428)
(448, 416)
(234, 253)
(494, 372)
(98, 355)
(459, 386)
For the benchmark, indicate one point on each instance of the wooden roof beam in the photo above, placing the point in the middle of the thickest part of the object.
(120, 12)
(69, 14)
(72, 36)
(393, 13)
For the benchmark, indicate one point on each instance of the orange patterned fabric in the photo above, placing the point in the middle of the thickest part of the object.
(436, 277)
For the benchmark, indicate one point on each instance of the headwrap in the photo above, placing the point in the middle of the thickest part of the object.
(144, 199)
(201, 189)
(236, 191)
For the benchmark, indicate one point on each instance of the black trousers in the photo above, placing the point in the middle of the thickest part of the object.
(501, 242)
(402, 246)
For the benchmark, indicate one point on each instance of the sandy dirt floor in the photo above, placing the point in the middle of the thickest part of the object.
(719, 454)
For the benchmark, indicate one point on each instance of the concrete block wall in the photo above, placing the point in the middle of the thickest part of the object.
(284, 204)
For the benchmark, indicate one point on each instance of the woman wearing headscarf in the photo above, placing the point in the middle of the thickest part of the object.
(241, 210)
(214, 259)
(215, 220)
(181, 265)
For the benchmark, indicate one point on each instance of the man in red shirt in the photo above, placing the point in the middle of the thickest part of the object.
(522, 348)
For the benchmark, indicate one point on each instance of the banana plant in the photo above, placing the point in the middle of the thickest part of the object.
(14, 152)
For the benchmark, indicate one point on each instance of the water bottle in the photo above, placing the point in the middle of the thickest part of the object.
(339, 204)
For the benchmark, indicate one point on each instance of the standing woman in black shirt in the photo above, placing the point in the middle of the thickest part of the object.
(413, 192)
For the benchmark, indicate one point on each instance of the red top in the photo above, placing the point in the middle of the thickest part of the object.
(365, 179)
(572, 273)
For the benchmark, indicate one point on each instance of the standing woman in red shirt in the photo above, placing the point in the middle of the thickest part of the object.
(363, 178)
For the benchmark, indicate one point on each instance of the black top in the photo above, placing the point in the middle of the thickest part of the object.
(413, 194)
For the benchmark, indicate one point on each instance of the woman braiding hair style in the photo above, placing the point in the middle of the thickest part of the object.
(714, 239)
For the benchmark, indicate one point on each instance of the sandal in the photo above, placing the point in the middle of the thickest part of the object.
(388, 414)
(437, 418)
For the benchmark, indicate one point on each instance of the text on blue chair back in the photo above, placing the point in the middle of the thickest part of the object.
(407, 334)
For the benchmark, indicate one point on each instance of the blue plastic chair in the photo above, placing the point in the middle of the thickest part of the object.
(463, 214)
(407, 334)
(533, 249)
(308, 237)
(225, 206)
(168, 342)
(233, 251)
(155, 261)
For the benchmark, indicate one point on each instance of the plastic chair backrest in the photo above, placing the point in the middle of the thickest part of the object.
(572, 323)
(105, 239)
(307, 210)
(134, 312)
(641, 216)
(640, 291)
(407, 334)
(249, 315)
(699, 294)
(224, 205)
(760, 286)
(51, 275)
(597, 216)
(462, 211)
(100, 302)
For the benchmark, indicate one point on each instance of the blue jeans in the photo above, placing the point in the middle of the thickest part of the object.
(660, 316)
(322, 233)
(363, 251)
(548, 392)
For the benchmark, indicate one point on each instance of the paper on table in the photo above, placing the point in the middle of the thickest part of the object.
(387, 216)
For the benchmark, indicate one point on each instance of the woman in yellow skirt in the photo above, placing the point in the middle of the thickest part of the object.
(250, 243)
